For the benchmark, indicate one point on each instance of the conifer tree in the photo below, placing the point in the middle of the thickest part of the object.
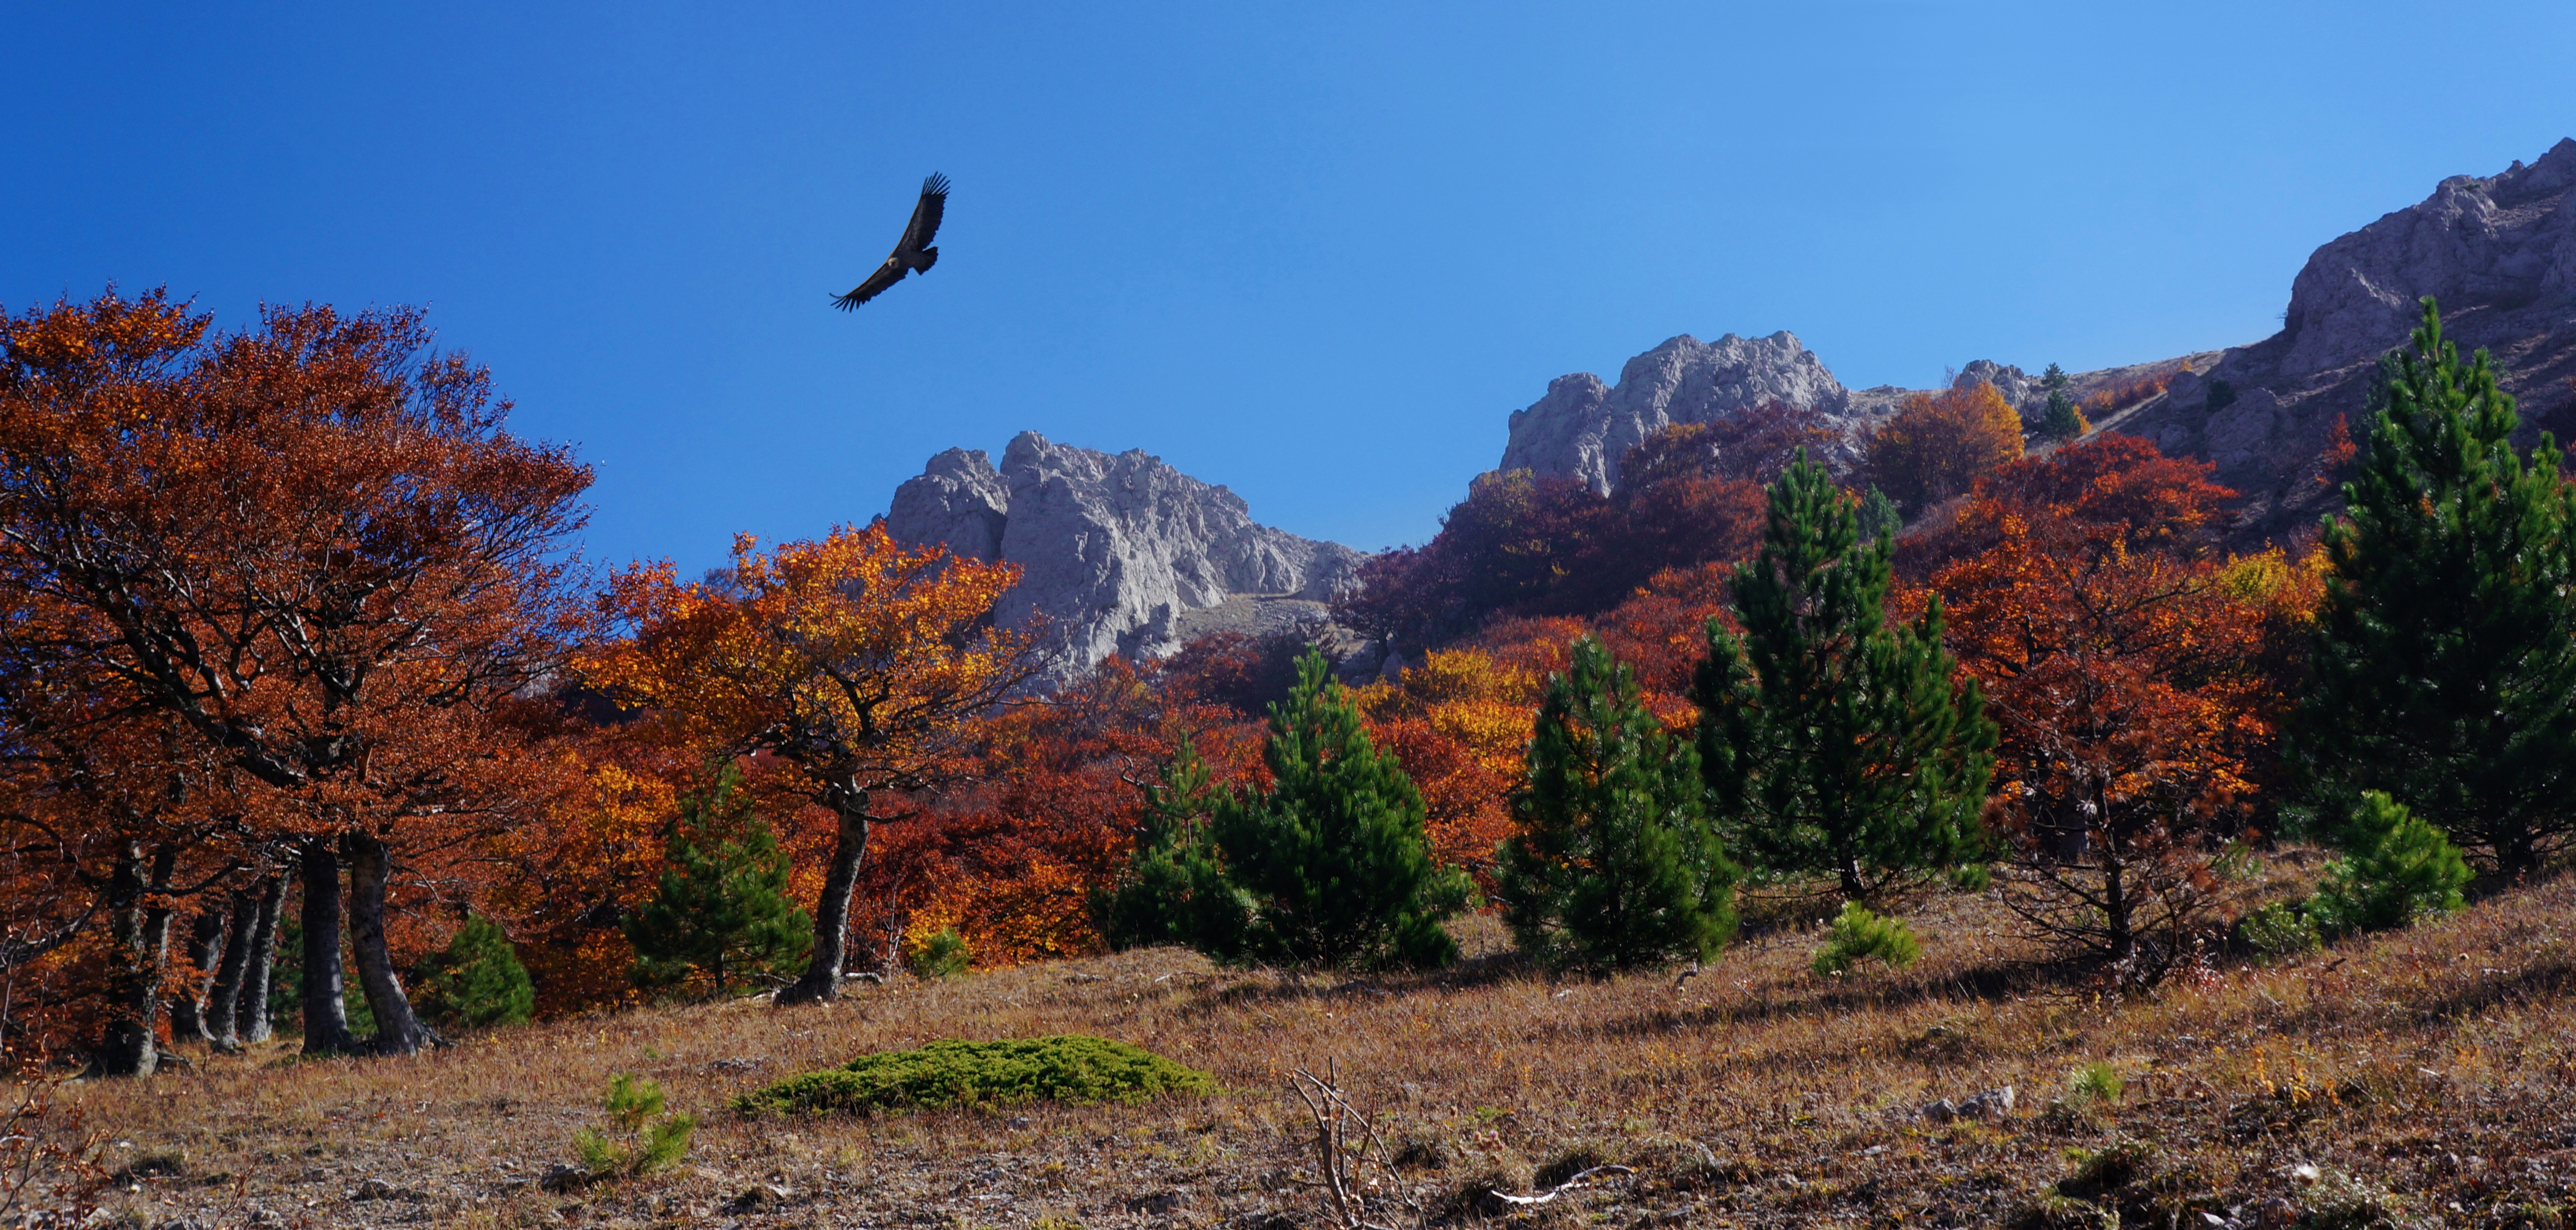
(2396, 868)
(2445, 650)
(1879, 517)
(1834, 743)
(721, 915)
(477, 980)
(1332, 859)
(1615, 864)
(1173, 891)
(2061, 420)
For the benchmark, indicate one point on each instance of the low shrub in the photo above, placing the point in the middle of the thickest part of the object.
(2279, 931)
(1860, 935)
(641, 1140)
(2399, 869)
(1063, 1068)
(943, 955)
(477, 981)
(2096, 1082)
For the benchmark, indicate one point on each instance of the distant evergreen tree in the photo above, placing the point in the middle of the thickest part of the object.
(2396, 869)
(1173, 891)
(721, 915)
(1332, 860)
(2060, 420)
(2445, 653)
(1832, 742)
(1879, 517)
(477, 980)
(1615, 864)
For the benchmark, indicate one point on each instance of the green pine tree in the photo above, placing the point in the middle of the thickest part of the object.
(1880, 519)
(721, 916)
(1173, 891)
(1833, 742)
(1332, 860)
(1615, 864)
(477, 980)
(2060, 421)
(2445, 654)
(2396, 869)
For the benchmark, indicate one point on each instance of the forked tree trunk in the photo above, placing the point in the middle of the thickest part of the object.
(139, 928)
(326, 1015)
(222, 1018)
(251, 1021)
(188, 1015)
(398, 1030)
(822, 979)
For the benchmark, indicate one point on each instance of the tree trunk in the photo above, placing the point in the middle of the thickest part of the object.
(222, 1017)
(140, 931)
(188, 1009)
(326, 1015)
(2118, 912)
(398, 1030)
(250, 1014)
(822, 979)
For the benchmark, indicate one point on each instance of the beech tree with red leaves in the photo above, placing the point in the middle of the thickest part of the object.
(314, 547)
(2125, 673)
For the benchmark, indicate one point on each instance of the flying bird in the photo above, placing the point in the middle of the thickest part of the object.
(912, 253)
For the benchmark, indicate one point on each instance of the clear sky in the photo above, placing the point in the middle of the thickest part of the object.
(1315, 252)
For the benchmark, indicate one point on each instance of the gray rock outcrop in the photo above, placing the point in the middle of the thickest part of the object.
(1582, 427)
(2499, 253)
(1114, 550)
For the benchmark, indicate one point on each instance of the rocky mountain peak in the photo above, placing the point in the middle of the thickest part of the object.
(1115, 550)
(2497, 251)
(1582, 427)
(2506, 241)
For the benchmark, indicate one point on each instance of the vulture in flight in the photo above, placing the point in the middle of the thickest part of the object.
(912, 253)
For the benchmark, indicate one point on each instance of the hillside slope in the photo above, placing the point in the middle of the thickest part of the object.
(2429, 1074)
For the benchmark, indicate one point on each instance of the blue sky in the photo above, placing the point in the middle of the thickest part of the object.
(1315, 252)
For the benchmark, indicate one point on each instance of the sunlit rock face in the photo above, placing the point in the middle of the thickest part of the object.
(1582, 427)
(1113, 549)
(2498, 252)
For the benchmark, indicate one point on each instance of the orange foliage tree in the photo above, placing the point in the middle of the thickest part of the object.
(1940, 443)
(1459, 723)
(1011, 863)
(313, 548)
(2123, 668)
(859, 663)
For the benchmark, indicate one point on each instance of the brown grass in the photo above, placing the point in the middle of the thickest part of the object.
(2428, 1071)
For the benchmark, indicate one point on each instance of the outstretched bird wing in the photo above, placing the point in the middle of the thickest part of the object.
(917, 235)
(886, 275)
(926, 213)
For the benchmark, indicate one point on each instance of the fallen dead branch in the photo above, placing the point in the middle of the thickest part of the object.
(1335, 1119)
(1578, 1181)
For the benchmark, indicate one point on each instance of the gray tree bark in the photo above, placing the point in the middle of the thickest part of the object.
(251, 1021)
(188, 1016)
(399, 1031)
(821, 982)
(222, 1017)
(139, 930)
(326, 1014)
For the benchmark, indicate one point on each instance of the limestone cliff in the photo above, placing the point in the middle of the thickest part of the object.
(1114, 550)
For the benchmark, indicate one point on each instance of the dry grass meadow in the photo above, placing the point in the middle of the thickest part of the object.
(2427, 1077)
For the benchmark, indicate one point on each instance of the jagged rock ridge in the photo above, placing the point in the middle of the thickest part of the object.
(1582, 427)
(2499, 253)
(1115, 551)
